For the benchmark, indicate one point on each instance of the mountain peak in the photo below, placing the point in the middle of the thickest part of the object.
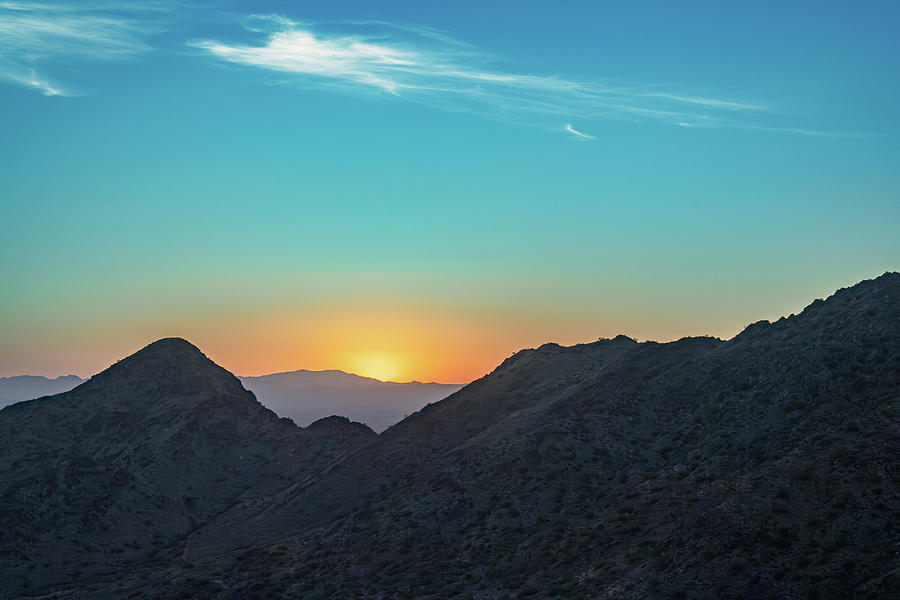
(169, 365)
(623, 339)
(339, 425)
(171, 344)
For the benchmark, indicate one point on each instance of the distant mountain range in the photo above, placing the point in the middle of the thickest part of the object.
(303, 396)
(28, 387)
(306, 396)
(765, 466)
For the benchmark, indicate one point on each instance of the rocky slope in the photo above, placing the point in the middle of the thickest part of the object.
(767, 465)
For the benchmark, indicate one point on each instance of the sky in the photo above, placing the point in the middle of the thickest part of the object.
(417, 190)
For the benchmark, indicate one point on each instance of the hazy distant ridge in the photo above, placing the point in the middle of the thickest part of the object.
(306, 396)
(303, 396)
(28, 387)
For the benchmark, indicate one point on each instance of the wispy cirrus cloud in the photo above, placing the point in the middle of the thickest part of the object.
(37, 38)
(425, 65)
(41, 40)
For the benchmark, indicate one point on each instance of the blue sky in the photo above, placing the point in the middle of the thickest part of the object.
(552, 171)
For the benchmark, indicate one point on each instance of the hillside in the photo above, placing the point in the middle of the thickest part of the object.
(767, 465)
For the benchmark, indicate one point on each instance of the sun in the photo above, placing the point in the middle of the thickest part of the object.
(378, 365)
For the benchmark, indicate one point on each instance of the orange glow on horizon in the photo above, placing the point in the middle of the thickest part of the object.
(388, 343)
(386, 340)
(381, 366)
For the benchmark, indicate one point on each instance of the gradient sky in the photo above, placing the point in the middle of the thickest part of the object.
(416, 190)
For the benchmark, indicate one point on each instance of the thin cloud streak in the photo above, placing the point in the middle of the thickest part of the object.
(582, 137)
(424, 65)
(33, 34)
(31, 79)
(711, 102)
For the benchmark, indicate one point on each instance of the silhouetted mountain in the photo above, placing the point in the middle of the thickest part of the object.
(115, 472)
(762, 466)
(306, 396)
(28, 387)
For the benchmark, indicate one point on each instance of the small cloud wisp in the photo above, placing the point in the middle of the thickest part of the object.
(582, 137)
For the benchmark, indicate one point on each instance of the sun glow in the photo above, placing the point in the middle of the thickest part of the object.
(379, 365)
(389, 341)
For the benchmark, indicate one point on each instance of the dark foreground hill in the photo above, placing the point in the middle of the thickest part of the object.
(115, 473)
(766, 466)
